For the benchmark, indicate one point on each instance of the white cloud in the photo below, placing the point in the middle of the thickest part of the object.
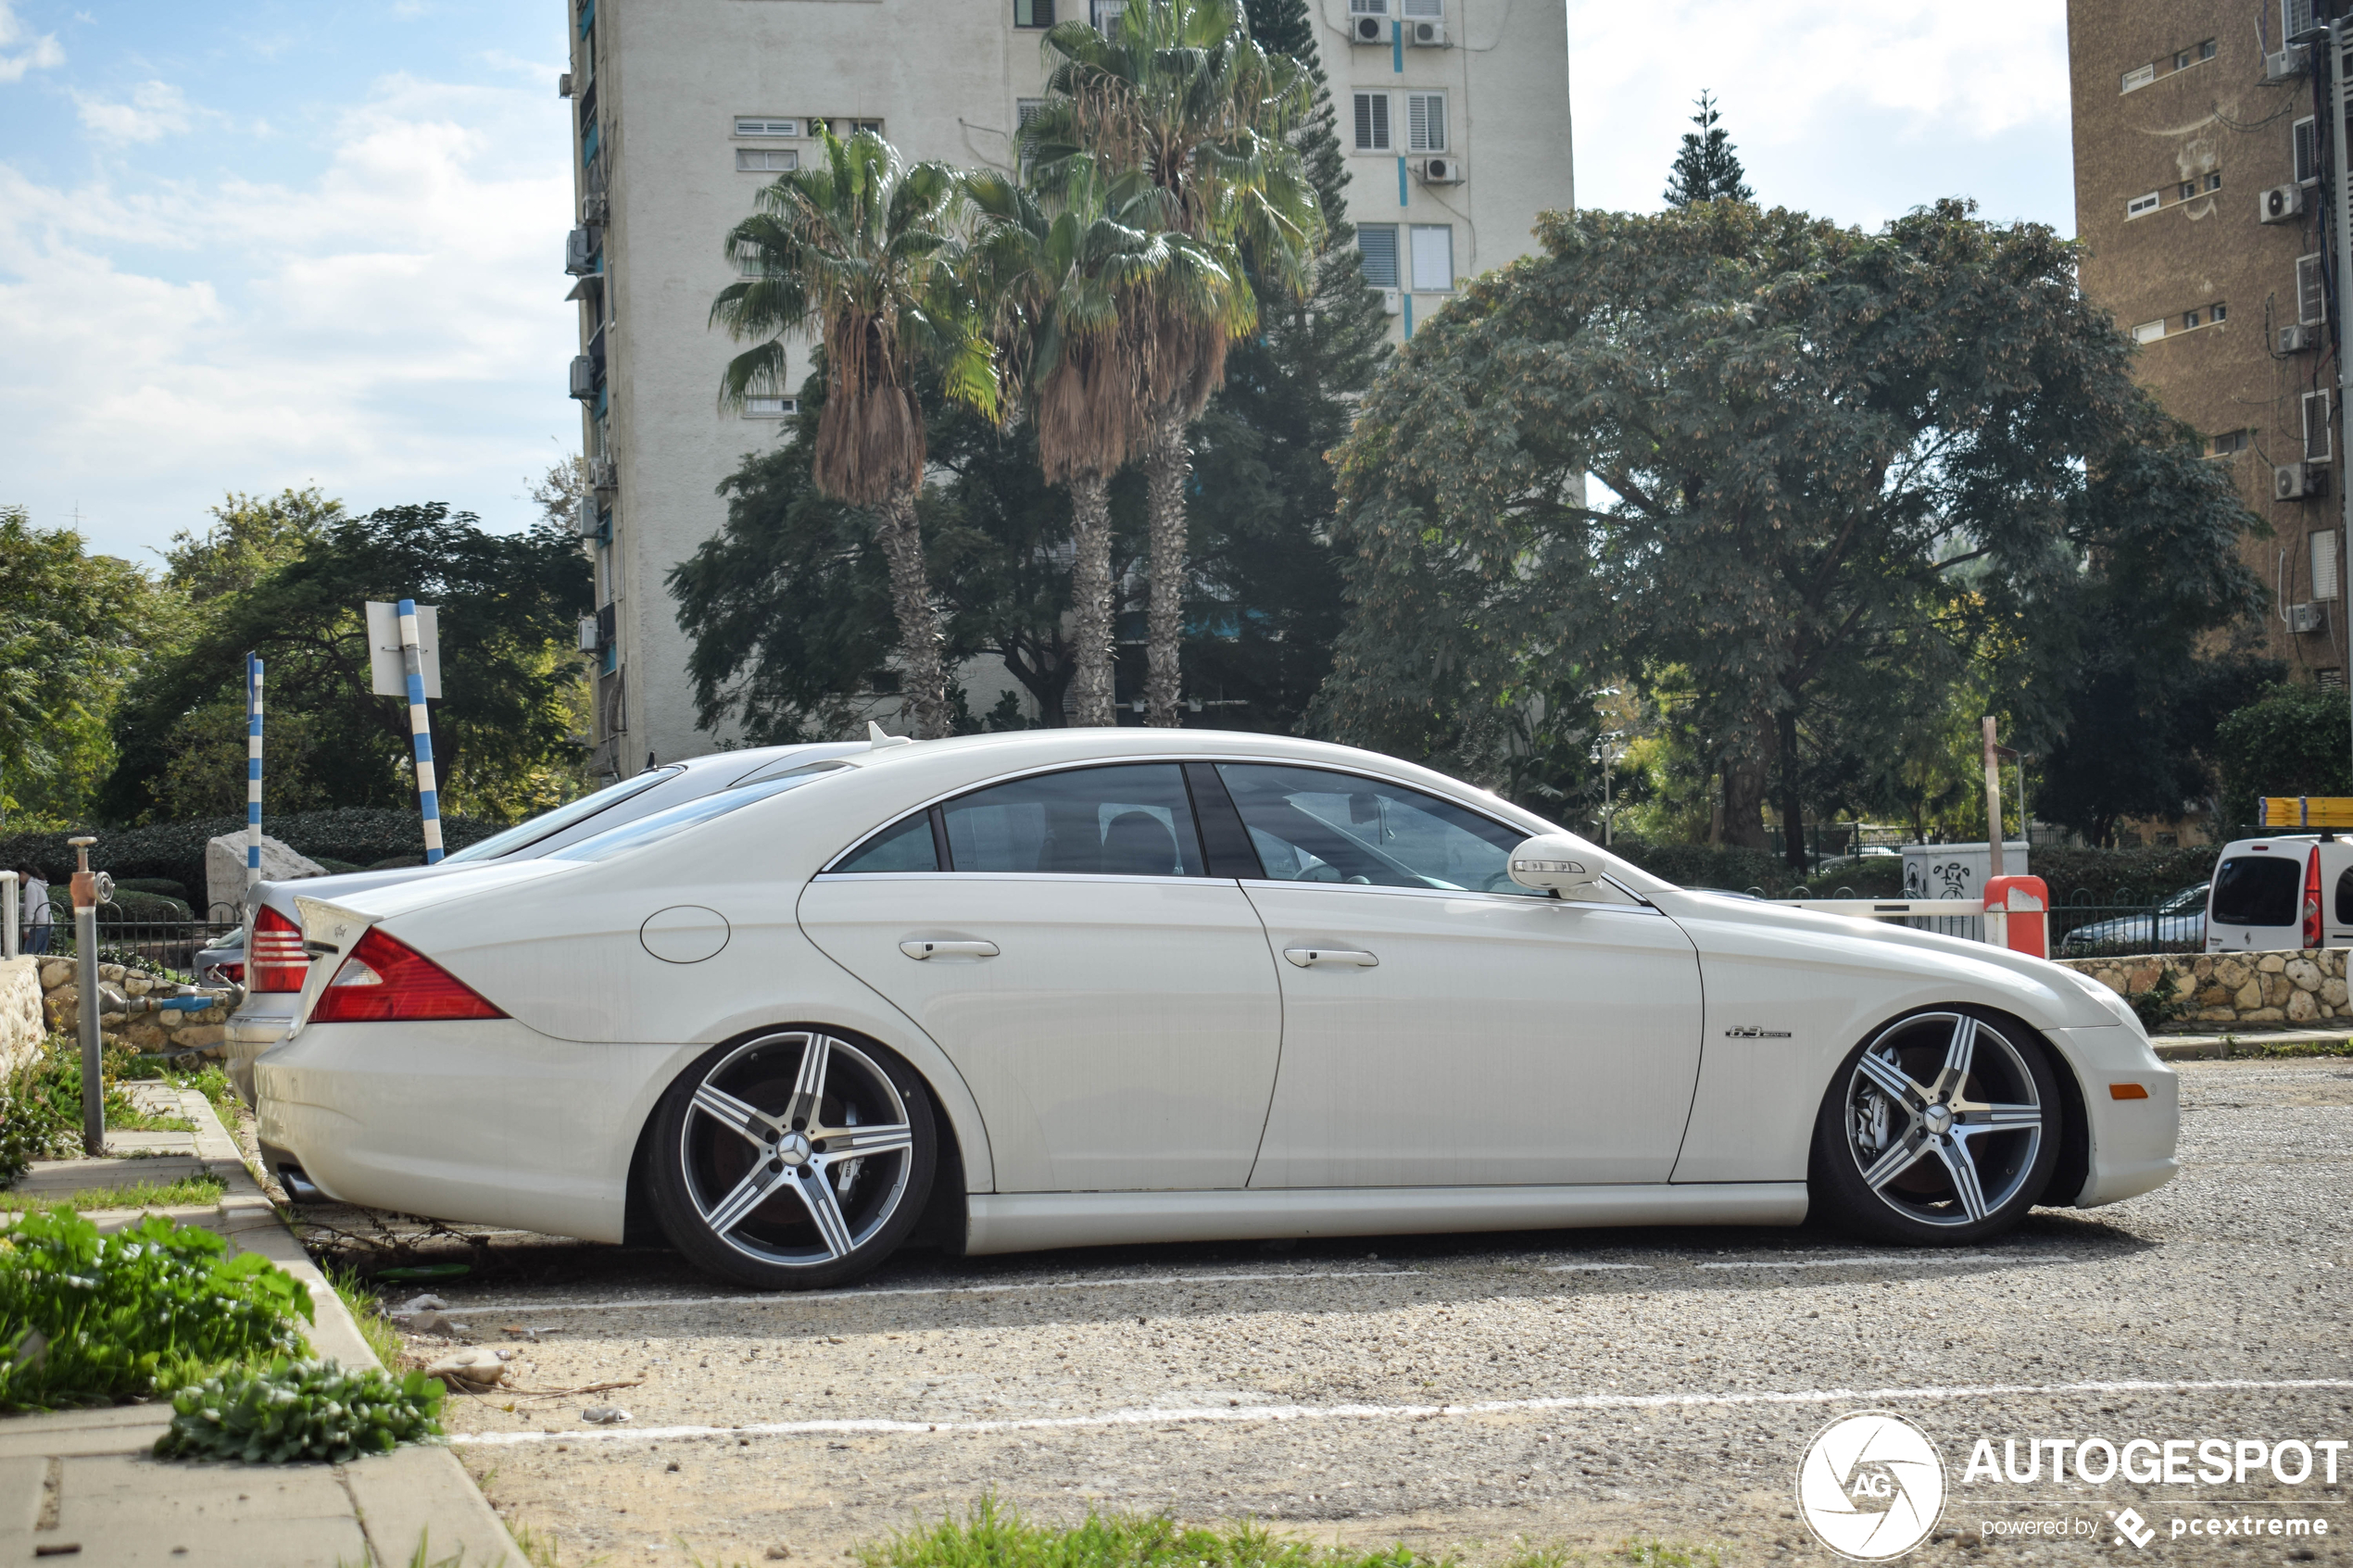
(155, 109)
(21, 50)
(394, 328)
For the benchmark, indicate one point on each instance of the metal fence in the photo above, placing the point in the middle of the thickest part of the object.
(172, 943)
(2079, 927)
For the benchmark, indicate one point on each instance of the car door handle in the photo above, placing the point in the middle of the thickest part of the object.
(949, 949)
(1306, 958)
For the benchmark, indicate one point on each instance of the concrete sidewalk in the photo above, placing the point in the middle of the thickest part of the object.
(2246, 1042)
(80, 1486)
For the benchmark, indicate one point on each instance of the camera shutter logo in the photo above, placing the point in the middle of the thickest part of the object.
(1871, 1486)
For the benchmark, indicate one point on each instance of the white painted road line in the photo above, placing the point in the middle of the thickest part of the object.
(788, 1298)
(1402, 1412)
(1924, 1257)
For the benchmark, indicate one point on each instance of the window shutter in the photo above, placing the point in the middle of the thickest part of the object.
(1433, 258)
(2316, 427)
(1425, 123)
(2311, 304)
(2323, 547)
(2308, 150)
(1372, 122)
(1376, 248)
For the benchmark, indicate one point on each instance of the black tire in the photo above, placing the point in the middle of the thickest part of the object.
(1900, 1141)
(741, 1187)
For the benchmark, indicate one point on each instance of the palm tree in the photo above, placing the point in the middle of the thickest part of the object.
(1180, 92)
(860, 253)
(1074, 273)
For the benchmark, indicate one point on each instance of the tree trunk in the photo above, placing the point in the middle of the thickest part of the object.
(1092, 697)
(1166, 467)
(922, 674)
(1792, 808)
(1746, 779)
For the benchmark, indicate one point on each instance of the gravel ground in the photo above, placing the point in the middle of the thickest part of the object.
(1464, 1395)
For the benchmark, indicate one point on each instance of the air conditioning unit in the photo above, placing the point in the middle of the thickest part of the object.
(2282, 204)
(2286, 63)
(1370, 29)
(584, 377)
(2306, 618)
(2298, 482)
(2296, 340)
(563, 85)
(1442, 170)
(1426, 36)
(580, 251)
(594, 206)
(1389, 302)
(584, 518)
(587, 634)
(604, 474)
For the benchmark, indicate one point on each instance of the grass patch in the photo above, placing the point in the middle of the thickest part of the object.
(997, 1536)
(187, 1192)
(2294, 1047)
(367, 1312)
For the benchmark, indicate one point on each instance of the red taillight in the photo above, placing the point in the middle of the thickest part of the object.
(274, 948)
(386, 981)
(2312, 899)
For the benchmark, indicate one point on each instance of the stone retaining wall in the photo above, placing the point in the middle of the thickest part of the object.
(2298, 988)
(21, 1027)
(61, 1002)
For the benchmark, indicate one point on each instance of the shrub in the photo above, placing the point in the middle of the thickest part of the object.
(88, 1319)
(291, 1411)
(2120, 876)
(1706, 865)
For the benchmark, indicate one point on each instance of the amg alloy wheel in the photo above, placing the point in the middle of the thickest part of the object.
(794, 1160)
(1941, 1128)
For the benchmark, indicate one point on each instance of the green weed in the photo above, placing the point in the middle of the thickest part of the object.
(298, 1411)
(994, 1535)
(187, 1193)
(367, 1312)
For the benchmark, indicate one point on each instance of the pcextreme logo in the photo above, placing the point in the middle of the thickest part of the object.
(1871, 1486)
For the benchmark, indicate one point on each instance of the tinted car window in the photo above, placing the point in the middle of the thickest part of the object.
(1129, 820)
(2345, 896)
(902, 846)
(678, 819)
(548, 823)
(1310, 825)
(2257, 890)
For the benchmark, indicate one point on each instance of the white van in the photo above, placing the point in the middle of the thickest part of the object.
(2292, 890)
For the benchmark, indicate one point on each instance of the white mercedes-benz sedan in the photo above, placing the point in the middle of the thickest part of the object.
(1067, 988)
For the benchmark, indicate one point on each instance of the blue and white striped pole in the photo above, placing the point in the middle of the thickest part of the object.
(253, 776)
(413, 665)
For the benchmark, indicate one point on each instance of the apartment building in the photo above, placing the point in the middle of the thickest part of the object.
(1455, 114)
(2198, 182)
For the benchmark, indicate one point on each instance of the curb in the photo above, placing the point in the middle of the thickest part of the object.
(2243, 1048)
(412, 1496)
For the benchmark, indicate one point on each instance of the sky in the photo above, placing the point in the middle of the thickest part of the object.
(249, 245)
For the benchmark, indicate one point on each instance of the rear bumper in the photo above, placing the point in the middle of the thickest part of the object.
(483, 1122)
(2133, 1141)
(260, 1023)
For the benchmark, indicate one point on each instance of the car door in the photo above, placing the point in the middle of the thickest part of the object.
(1113, 1010)
(1443, 1026)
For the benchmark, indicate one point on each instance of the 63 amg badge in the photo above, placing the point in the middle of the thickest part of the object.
(1871, 1486)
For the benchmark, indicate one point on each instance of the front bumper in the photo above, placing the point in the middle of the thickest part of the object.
(2133, 1141)
(483, 1122)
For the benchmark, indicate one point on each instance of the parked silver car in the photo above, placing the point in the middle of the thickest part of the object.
(2178, 922)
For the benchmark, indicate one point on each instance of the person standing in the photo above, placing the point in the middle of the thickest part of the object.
(40, 920)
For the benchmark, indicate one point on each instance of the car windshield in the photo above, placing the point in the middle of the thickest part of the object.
(2188, 899)
(2257, 890)
(548, 823)
(678, 819)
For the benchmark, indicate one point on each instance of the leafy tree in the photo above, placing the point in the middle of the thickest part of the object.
(1816, 450)
(72, 629)
(509, 607)
(251, 536)
(2290, 740)
(857, 252)
(1707, 168)
(1182, 91)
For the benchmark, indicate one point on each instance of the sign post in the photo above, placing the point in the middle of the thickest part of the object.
(253, 779)
(404, 646)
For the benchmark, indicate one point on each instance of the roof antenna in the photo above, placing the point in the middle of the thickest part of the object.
(876, 739)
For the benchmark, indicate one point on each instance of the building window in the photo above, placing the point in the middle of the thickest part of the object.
(2214, 180)
(2311, 302)
(2189, 319)
(2321, 546)
(2331, 677)
(767, 160)
(2189, 189)
(2138, 78)
(2317, 445)
(1376, 248)
(1368, 7)
(1025, 110)
(1433, 258)
(2217, 314)
(2149, 331)
(1033, 13)
(1426, 10)
(745, 127)
(2228, 443)
(771, 407)
(1372, 122)
(1425, 123)
(2141, 206)
(2296, 16)
(2206, 50)
(1107, 15)
(2307, 151)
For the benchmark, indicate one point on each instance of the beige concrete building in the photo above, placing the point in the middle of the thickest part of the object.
(2198, 185)
(1455, 113)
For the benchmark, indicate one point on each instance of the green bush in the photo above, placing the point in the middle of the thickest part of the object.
(162, 886)
(88, 1319)
(2120, 876)
(2290, 741)
(291, 1411)
(1705, 865)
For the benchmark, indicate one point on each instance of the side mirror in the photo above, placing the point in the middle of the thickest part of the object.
(1553, 862)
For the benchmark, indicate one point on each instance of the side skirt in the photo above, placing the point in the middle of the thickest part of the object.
(1025, 1222)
